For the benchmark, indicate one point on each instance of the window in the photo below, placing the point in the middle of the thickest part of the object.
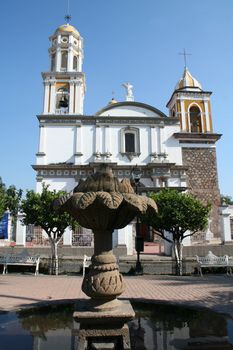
(195, 119)
(64, 60)
(75, 63)
(62, 99)
(130, 143)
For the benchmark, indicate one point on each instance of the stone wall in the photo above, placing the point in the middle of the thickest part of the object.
(202, 250)
(202, 181)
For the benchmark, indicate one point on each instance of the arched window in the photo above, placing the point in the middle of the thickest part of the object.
(64, 59)
(195, 119)
(75, 63)
(62, 100)
(130, 143)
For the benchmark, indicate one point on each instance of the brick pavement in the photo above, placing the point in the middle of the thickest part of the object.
(215, 292)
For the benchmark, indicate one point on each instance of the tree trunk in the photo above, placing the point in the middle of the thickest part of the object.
(178, 249)
(53, 269)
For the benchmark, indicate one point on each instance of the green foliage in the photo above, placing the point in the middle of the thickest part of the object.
(38, 209)
(10, 199)
(2, 203)
(181, 215)
(226, 200)
(178, 213)
(13, 200)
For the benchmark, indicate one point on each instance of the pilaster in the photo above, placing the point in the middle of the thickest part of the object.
(58, 59)
(70, 57)
(107, 146)
(183, 116)
(98, 145)
(153, 145)
(226, 224)
(52, 107)
(207, 116)
(46, 97)
(20, 231)
(71, 99)
(158, 140)
(78, 145)
(42, 139)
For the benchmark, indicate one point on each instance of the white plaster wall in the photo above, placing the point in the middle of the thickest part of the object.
(124, 236)
(58, 184)
(147, 182)
(59, 144)
(115, 146)
(88, 143)
(172, 146)
(173, 182)
(130, 111)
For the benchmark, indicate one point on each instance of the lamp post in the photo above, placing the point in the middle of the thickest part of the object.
(139, 241)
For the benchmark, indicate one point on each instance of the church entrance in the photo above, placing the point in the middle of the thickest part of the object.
(153, 244)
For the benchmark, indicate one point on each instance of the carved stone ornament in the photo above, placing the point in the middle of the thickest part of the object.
(102, 203)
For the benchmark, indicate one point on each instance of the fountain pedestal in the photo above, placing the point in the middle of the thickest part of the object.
(102, 203)
(106, 329)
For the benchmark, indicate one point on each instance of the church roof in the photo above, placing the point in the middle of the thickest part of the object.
(136, 108)
(188, 82)
(67, 28)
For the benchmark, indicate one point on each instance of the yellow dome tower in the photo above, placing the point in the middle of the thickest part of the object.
(191, 105)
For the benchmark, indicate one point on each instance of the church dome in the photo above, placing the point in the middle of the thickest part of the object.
(188, 82)
(67, 28)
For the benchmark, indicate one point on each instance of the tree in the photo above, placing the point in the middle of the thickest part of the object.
(179, 214)
(2, 198)
(2, 203)
(10, 199)
(13, 199)
(38, 210)
(226, 200)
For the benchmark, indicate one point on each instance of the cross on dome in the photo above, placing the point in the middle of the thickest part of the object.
(68, 18)
(185, 54)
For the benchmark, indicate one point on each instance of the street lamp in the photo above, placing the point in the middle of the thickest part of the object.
(139, 241)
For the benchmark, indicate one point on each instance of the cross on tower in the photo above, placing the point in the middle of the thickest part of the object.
(68, 16)
(185, 54)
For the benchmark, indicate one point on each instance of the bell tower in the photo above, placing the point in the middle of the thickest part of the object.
(191, 105)
(64, 83)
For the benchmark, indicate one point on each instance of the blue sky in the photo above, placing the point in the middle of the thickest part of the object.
(124, 40)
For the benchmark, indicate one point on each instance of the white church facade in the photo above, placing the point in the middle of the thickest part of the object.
(177, 150)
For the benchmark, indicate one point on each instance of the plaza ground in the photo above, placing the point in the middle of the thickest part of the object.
(214, 292)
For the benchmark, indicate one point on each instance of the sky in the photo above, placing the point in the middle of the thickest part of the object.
(125, 40)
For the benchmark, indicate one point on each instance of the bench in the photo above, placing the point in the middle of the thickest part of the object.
(211, 260)
(23, 259)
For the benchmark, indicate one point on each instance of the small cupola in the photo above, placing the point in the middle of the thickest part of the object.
(188, 82)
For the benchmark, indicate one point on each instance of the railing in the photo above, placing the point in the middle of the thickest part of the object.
(63, 110)
(36, 237)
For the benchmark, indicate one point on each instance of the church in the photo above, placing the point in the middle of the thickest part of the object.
(173, 150)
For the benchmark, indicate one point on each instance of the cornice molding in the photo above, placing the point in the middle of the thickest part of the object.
(193, 137)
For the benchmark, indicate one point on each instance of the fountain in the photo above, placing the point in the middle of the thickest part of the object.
(102, 203)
